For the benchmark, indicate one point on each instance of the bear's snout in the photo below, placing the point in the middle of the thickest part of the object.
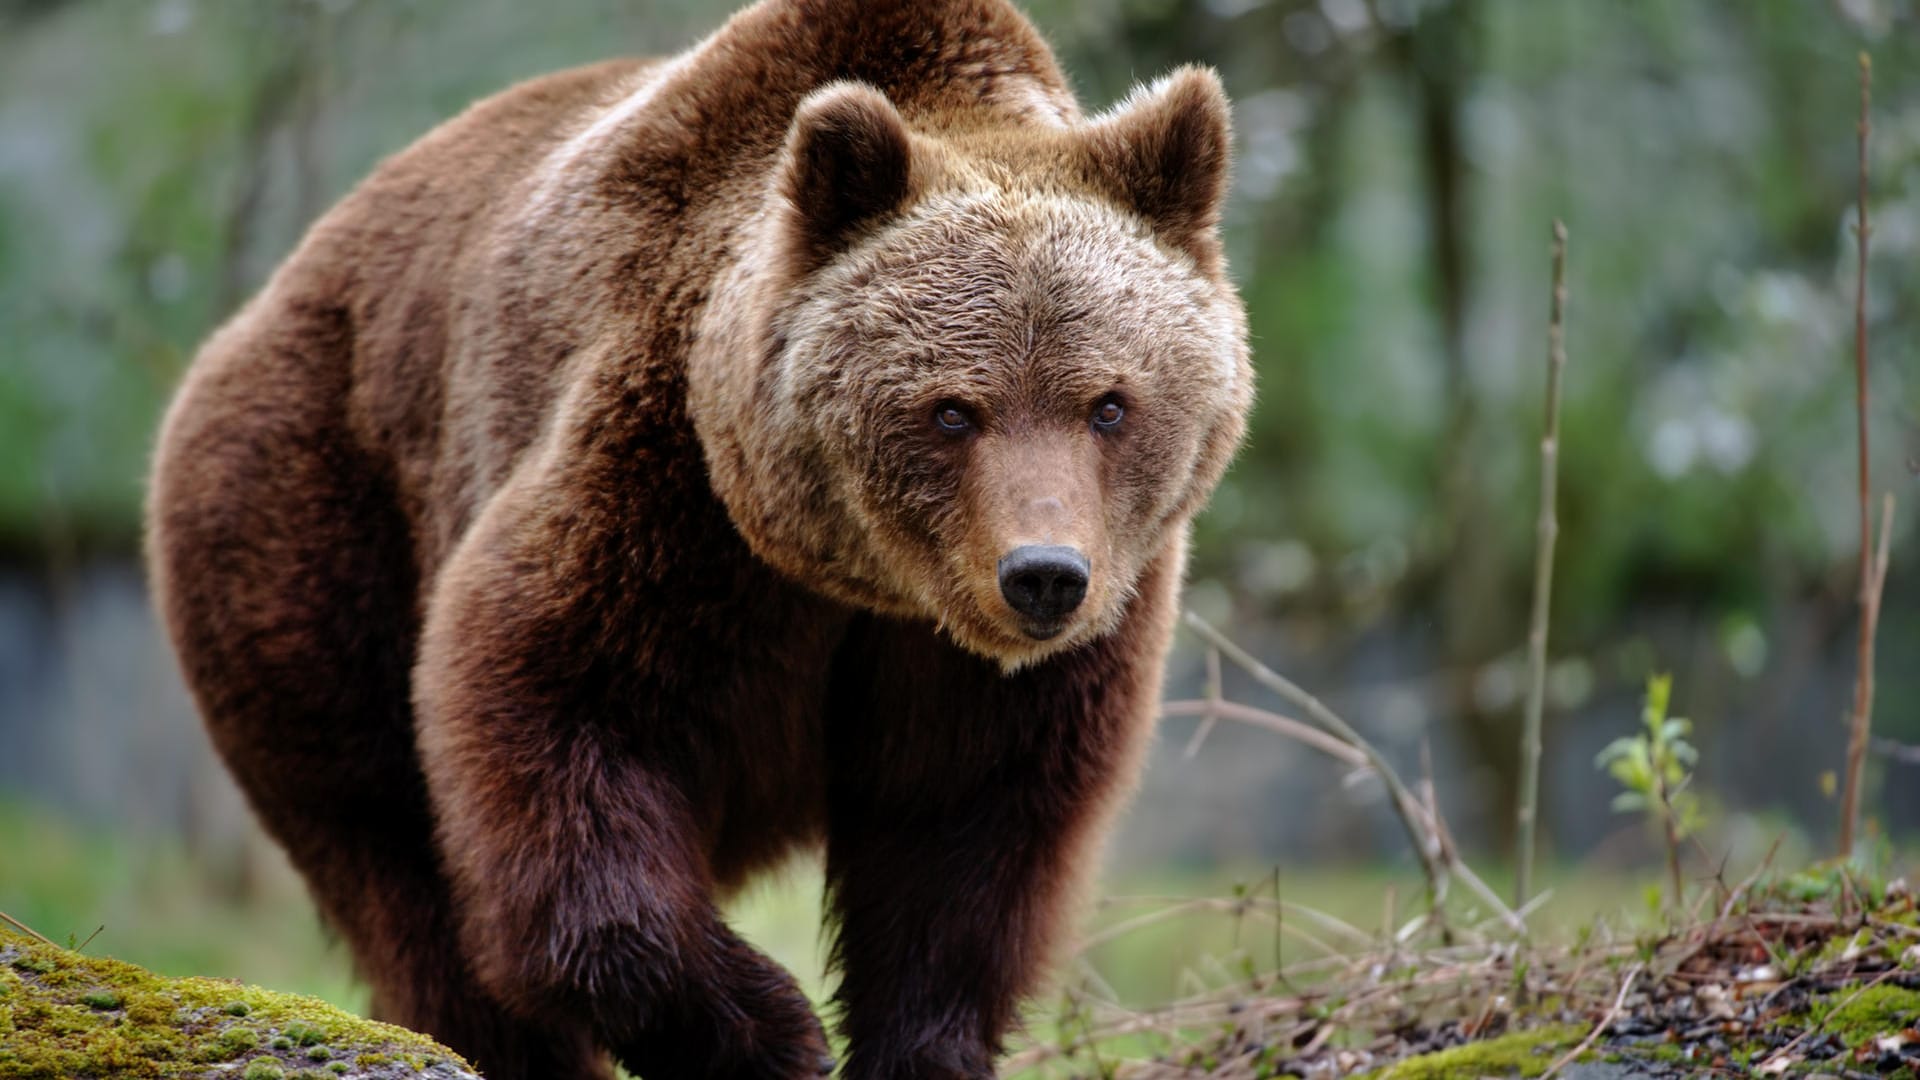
(1044, 582)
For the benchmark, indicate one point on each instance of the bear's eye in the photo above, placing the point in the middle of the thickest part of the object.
(951, 418)
(1107, 414)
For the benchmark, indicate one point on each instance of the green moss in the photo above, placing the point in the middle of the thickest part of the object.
(149, 1009)
(305, 1034)
(59, 979)
(1873, 1012)
(238, 1040)
(1522, 1053)
(64, 1015)
(1666, 1053)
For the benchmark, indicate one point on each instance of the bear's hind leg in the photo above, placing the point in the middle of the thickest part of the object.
(283, 571)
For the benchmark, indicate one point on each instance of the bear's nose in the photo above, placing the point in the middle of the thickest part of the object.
(1043, 581)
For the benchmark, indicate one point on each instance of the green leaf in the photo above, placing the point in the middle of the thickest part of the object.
(1628, 802)
(1619, 747)
(1659, 689)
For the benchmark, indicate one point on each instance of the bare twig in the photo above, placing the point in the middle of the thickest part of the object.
(1437, 859)
(1442, 842)
(1862, 720)
(1211, 715)
(1406, 806)
(1880, 553)
(1545, 534)
(1430, 803)
(1670, 826)
(1277, 907)
(1271, 721)
(1606, 1021)
(1207, 904)
(1904, 753)
(1514, 920)
(27, 930)
(1746, 885)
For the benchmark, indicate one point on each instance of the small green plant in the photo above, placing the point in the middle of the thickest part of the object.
(1656, 767)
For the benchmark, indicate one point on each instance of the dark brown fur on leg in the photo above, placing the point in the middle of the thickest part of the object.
(395, 909)
(291, 599)
(591, 807)
(963, 810)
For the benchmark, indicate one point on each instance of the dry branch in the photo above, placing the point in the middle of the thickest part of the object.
(1210, 716)
(1872, 563)
(1422, 839)
(1438, 859)
(1548, 530)
(1904, 753)
(1606, 1021)
(25, 929)
(1210, 711)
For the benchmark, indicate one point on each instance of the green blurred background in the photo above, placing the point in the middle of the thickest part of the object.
(1399, 163)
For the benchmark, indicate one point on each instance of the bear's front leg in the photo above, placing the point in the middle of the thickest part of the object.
(966, 810)
(565, 773)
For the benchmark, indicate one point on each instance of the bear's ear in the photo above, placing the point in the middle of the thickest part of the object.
(848, 161)
(1165, 152)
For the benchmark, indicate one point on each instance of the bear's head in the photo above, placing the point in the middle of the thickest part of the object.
(977, 375)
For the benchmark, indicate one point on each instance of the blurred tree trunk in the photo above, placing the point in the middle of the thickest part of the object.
(1466, 585)
(285, 100)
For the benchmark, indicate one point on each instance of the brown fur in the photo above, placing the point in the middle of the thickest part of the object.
(563, 534)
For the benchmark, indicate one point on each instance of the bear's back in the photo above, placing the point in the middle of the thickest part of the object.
(407, 258)
(569, 230)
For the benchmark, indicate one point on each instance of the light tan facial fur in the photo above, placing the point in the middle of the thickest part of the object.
(1022, 278)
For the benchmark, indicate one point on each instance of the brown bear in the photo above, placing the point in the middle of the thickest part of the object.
(664, 466)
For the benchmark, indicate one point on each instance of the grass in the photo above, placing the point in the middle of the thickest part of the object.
(1204, 938)
(163, 910)
(154, 905)
(1163, 935)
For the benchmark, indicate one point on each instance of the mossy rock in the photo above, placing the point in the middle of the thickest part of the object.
(1518, 1054)
(65, 1016)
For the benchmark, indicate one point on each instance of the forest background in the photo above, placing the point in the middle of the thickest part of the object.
(1398, 165)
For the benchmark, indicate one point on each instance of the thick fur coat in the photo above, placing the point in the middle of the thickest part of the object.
(666, 465)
